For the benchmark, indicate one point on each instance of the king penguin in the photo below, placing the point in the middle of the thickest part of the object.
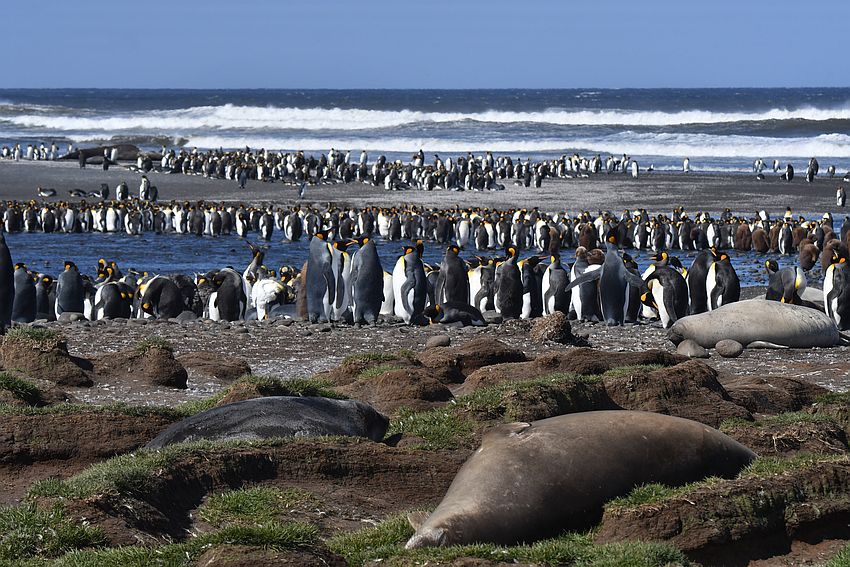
(453, 281)
(532, 295)
(410, 285)
(482, 277)
(367, 282)
(721, 284)
(320, 288)
(7, 285)
(341, 268)
(24, 308)
(785, 285)
(554, 287)
(836, 290)
(70, 291)
(508, 286)
(667, 293)
(696, 280)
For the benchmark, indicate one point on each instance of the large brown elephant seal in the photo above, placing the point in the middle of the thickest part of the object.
(530, 481)
(759, 323)
(277, 416)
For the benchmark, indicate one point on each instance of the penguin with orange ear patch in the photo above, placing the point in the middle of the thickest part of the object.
(836, 290)
(508, 286)
(722, 285)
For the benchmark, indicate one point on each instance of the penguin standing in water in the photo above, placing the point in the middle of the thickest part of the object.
(696, 280)
(554, 287)
(320, 289)
(7, 285)
(453, 281)
(367, 282)
(667, 293)
(721, 283)
(410, 285)
(70, 291)
(482, 279)
(614, 281)
(508, 286)
(784, 285)
(836, 290)
(532, 296)
(24, 308)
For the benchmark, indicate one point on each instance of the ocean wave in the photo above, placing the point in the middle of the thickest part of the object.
(631, 143)
(230, 116)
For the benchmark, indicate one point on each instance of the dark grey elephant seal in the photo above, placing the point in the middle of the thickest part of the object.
(758, 323)
(277, 416)
(529, 481)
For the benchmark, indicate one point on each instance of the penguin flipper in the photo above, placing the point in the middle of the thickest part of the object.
(585, 278)
(635, 280)
(405, 291)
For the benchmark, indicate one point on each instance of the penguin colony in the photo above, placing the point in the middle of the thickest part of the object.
(345, 281)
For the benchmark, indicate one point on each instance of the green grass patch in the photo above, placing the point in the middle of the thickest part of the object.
(27, 531)
(842, 398)
(115, 408)
(367, 358)
(631, 369)
(21, 389)
(33, 334)
(133, 474)
(787, 418)
(385, 543)
(377, 370)
(256, 505)
(273, 536)
(841, 559)
(441, 428)
(654, 493)
(771, 466)
(149, 343)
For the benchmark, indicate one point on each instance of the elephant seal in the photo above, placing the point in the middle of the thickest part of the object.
(277, 416)
(530, 481)
(759, 323)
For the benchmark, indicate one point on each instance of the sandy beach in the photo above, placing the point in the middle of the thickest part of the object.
(656, 192)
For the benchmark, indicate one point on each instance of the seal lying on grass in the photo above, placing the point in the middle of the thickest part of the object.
(529, 481)
(757, 323)
(277, 416)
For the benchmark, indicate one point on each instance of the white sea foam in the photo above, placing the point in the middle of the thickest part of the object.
(275, 118)
(634, 144)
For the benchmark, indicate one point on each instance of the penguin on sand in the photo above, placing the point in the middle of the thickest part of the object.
(697, 295)
(455, 312)
(228, 301)
(367, 282)
(44, 298)
(320, 288)
(553, 287)
(836, 290)
(667, 294)
(453, 281)
(508, 286)
(614, 281)
(7, 285)
(410, 285)
(721, 284)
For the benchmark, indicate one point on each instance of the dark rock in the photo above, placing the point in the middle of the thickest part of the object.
(727, 348)
(691, 349)
(555, 327)
(438, 341)
(492, 318)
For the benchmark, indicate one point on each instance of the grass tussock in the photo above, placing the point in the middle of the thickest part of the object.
(149, 343)
(440, 428)
(20, 389)
(115, 408)
(621, 371)
(28, 531)
(134, 474)
(385, 543)
(377, 370)
(273, 536)
(256, 505)
(782, 419)
(38, 335)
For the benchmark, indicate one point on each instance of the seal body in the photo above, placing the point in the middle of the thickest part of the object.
(277, 416)
(756, 320)
(530, 481)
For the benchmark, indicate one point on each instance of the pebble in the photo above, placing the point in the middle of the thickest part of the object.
(691, 349)
(240, 331)
(727, 348)
(70, 317)
(438, 341)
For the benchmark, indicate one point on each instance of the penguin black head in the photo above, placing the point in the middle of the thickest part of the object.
(407, 249)
(70, 266)
(660, 258)
(454, 248)
(511, 251)
(434, 313)
(20, 266)
(772, 266)
(420, 248)
(647, 298)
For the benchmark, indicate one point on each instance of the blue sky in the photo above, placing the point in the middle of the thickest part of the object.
(425, 44)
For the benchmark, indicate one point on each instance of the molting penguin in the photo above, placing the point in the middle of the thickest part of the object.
(784, 285)
(7, 285)
(508, 286)
(367, 282)
(70, 291)
(320, 288)
(721, 283)
(836, 290)
(24, 308)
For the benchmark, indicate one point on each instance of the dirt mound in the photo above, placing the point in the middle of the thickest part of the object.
(375, 478)
(772, 394)
(555, 327)
(356, 366)
(155, 366)
(740, 519)
(481, 351)
(583, 361)
(85, 436)
(215, 365)
(247, 556)
(690, 390)
(778, 439)
(44, 357)
(414, 388)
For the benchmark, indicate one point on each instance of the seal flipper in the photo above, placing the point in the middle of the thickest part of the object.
(765, 344)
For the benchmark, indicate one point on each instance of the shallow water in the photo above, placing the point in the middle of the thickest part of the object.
(174, 253)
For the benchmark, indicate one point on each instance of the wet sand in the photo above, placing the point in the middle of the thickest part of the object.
(656, 192)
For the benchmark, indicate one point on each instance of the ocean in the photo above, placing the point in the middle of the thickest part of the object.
(721, 130)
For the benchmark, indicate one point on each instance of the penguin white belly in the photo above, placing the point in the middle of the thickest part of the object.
(548, 304)
(475, 288)
(387, 306)
(213, 310)
(658, 296)
(646, 311)
(88, 308)
(399, 278)
(830, 306)
(710, 284)
(526, 306)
